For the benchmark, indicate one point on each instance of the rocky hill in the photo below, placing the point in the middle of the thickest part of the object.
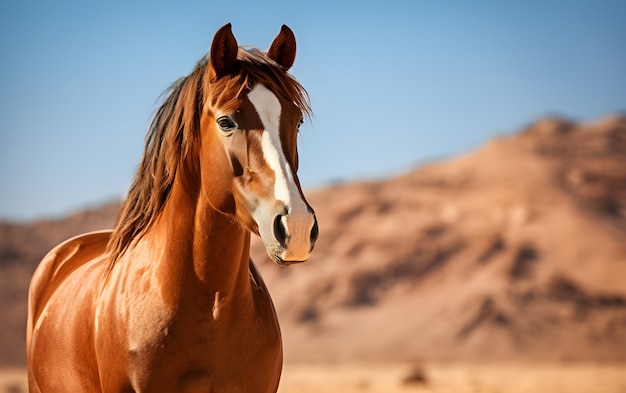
(516, 251)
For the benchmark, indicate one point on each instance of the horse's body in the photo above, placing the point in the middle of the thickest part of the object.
(169, 301)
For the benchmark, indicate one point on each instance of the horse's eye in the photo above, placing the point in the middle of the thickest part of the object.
(301, 122)
(226, 124)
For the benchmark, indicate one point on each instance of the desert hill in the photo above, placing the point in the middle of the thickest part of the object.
(516, 251)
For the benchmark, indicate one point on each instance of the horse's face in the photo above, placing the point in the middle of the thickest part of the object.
(254, 135)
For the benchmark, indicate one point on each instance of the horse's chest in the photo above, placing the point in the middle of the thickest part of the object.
(194, 343)
(218, 355)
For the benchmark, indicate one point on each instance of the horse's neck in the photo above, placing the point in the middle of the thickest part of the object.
(204, 250)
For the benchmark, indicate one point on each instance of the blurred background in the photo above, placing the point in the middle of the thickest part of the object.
(466, 160)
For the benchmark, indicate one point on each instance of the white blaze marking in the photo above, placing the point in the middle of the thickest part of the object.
(269, 109)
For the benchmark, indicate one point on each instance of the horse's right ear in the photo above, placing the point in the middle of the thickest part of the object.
(223, 51)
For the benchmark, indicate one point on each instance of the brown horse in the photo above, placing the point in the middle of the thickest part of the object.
(169, 301)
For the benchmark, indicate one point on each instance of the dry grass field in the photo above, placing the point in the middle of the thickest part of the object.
(428, 378)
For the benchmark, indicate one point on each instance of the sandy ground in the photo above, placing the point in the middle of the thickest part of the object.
(13, 380)
(428, 378)
(454, 378)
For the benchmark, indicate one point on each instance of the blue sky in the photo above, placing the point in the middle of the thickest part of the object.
(393, 84)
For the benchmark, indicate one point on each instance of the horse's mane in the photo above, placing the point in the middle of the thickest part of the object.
(175, 128)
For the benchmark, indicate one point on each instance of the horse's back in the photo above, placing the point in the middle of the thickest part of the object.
(60, 262)
(61, 297)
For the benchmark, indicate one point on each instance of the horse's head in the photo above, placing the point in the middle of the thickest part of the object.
(249, 155)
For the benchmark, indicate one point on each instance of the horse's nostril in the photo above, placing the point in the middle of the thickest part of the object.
(279, 230)
(315, 231)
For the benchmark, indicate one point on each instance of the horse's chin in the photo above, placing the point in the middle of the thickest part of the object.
(279, 261)
(276, 252)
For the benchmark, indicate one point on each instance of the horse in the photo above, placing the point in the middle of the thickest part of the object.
(169, 300)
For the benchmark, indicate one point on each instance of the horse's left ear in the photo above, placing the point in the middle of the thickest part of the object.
(283, 49)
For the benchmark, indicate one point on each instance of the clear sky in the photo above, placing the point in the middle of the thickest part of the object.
(393, 84)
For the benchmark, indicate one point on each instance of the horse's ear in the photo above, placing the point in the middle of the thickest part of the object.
(283, 49)
(223, 51)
